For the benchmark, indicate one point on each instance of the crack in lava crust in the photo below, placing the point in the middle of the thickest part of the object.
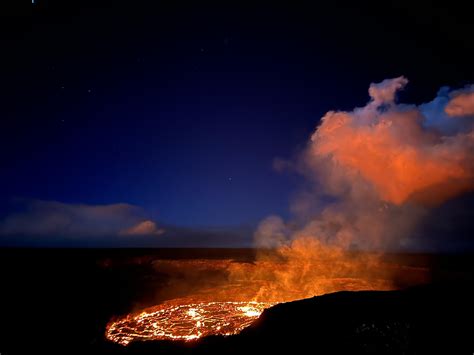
(185, 321)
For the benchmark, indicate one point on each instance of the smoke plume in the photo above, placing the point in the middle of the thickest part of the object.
(374, 173)
(382, 166)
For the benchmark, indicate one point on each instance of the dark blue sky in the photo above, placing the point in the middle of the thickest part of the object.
(181, 110)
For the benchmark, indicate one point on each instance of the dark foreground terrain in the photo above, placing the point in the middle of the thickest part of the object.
(55, 301)
(424, 320)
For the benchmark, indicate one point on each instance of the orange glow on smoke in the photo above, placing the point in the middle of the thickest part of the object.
(396, 155)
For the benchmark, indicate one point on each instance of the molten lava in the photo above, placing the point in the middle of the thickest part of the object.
(185, 321)
(226, 305)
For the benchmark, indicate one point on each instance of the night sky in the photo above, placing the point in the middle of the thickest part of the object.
(179, 111)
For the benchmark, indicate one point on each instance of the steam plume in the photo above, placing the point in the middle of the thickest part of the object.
(394, 150)
(382, 166)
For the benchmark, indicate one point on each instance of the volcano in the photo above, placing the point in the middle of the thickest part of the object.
(246, 289)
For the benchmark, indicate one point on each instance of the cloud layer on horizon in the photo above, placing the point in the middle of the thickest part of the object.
(52, 218)
(57, 224)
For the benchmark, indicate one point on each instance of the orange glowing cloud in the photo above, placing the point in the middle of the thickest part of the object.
(394, 151)
(462, 103)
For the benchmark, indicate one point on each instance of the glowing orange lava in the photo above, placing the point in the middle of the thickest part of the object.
(225, 307)
(185, 321)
